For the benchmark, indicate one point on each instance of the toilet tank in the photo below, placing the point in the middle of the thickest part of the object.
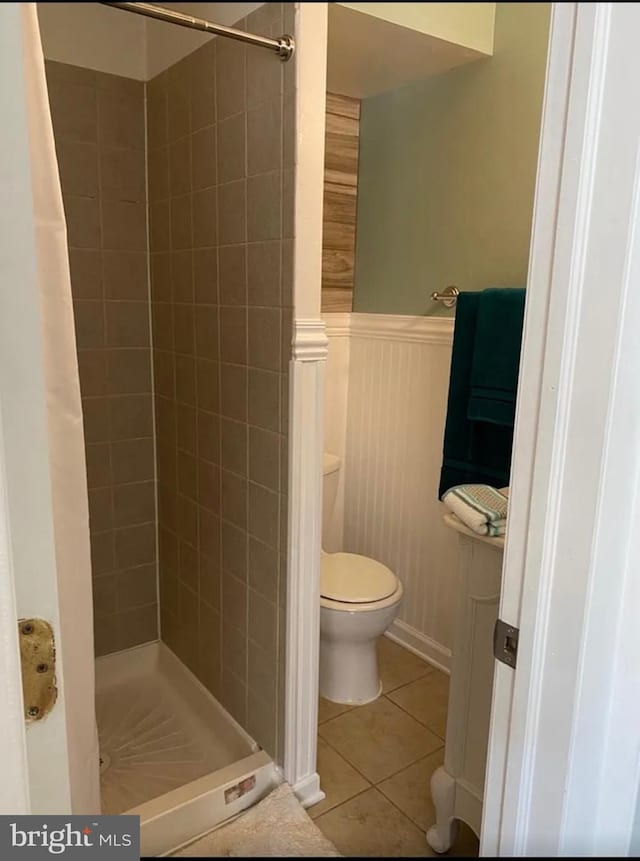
(330, 477)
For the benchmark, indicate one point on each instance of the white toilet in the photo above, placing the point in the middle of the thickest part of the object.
(359, 599)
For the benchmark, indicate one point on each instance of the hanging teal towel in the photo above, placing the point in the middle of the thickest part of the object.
(496, 356)
(475, 452)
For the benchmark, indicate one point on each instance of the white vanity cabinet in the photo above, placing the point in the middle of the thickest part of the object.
(457, 787)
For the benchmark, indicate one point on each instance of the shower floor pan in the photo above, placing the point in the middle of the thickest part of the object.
(169, 752)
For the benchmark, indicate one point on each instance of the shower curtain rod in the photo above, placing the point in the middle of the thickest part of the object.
(284, 46)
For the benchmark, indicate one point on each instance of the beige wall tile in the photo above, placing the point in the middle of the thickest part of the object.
(180, 166)
(233, 335)
(234, 438)
(233, 275)
(263, 569)
(263, 274)
(102, 553)
(160, 225)
(208, 436)
(100, 509)
(232, 148)
(137, 587)
(133, 504)
(205, 275)
(135, 545)
(98, 465)
(202, 94)
(203, 158)
(132, 460)
(182, 276)
(230, 78)
(232, 209)
(264, 399)
(92, 367)
(121, 120)
(265, 344)
(234, 650)
(210, 581)
(234, 498)
(264, 206)
(74, 112)
(83, 221)
(129, 371)
(128, 323)
(264, 458)
(233, 391)
(89, 323)
(124, 225)
(86, 273)
(264, 137)
(234, 550)
(264, 77)
(205, 224)
(263, 624)
(264, 510)
(139, 625)
(95, 413)
(234, 602)
(78, 164)
(207, 385)
(123, 174)
(131, 416)
(125, 275)
(181, 229)
(158, 169)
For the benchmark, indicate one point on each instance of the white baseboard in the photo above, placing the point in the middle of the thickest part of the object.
(308, 790)
(421, 645)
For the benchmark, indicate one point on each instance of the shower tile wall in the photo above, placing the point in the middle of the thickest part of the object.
(99, 130)
(220, 138)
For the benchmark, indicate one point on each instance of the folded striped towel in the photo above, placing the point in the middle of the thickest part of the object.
(480, 507)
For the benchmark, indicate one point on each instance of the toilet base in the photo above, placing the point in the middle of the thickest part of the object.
(349, 672)
(354, 702)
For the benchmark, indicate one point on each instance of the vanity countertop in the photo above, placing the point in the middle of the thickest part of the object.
(454, 523)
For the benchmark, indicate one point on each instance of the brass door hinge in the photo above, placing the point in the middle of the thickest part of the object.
(38, 660)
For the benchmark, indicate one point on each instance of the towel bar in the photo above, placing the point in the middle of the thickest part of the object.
(447, 297)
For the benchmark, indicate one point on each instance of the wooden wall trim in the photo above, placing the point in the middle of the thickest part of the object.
(342, 140)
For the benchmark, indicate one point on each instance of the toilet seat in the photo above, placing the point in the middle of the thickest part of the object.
(355, 583)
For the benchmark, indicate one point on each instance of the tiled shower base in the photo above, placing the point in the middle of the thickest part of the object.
(169, 752)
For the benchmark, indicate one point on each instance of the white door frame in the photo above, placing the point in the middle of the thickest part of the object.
(564, 755)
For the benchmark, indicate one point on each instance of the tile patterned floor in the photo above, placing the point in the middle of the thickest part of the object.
(375, 763)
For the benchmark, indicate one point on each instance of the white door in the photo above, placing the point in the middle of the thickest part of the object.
(564, 753)
(49, 765)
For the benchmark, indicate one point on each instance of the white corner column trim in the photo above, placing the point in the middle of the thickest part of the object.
(310, 347)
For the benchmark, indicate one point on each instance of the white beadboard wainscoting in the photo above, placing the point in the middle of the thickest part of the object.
(386, 397)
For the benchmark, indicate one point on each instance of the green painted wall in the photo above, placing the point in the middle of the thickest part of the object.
(447, 174)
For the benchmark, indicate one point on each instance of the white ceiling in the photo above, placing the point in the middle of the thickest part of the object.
(368, 55)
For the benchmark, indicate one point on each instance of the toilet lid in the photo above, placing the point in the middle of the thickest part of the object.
(355, 579)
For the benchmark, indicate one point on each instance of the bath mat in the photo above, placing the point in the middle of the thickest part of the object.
(276, 826)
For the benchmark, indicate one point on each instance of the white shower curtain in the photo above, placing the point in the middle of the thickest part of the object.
(65, 431)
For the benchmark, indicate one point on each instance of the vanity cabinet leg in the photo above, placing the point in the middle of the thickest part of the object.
(442, 835)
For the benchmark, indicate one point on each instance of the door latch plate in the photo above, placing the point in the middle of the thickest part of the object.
(38, 660)
(505, 643)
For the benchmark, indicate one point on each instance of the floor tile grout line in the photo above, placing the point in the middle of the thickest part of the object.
(387, 777)
(425, 725)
